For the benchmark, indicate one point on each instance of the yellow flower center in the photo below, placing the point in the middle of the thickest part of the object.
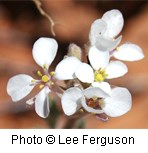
(100, 75)
(45, 78)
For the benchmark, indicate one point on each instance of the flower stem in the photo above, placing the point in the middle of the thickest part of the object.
(38, 5)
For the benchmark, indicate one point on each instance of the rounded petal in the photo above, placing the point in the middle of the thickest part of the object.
(19, 86)
(97, 28)
(71, 100)
(66, 68)
(116, 69)
(94, 92)
(85, 73)
(129, 52)
(119, 103)
(104, 44)
(90, 109)
(103, 86)
(97, 58)
(42, 103)
(44, 51)
(114, 20)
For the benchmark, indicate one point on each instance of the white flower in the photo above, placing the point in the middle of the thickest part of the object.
(101, 67)
(96, 101)
(71, 67)
(103, 31)
(102, 35)
(19, 86)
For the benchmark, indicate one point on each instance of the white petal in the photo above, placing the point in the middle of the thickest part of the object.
(44, 51)
(104, 44)
(115, 21)
(85, 73)
(129, 52)
(103, 85)
(116, 69)
(71, 100)
(94, 92)
(119, 103)
(90, 109)
(97, 58)
(97, 28)
(66, 68)
(42, 103)
(19, 86)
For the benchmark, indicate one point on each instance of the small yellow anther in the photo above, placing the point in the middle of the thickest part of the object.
(39, 74)
(102, 72)
(44, 66)
(81, 110)
(45, 78)
(101, 103)
(32, 81)
(118, 48)
(41, 86)
(94, 98)
(52, 73)
(51, 83)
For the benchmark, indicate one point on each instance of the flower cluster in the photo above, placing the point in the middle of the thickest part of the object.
(89, 90)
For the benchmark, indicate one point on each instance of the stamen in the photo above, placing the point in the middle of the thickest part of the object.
(94, 98)
(101, 103)
(52, 73)
(81, 110)
(41, 86)
(44, 66)
(45, 78)
(118, 48)
(33, 81)
(51, 83)
(39, 74)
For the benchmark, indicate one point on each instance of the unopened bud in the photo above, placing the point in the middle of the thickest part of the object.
(75, 50)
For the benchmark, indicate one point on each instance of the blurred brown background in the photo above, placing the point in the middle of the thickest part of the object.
(21, 24)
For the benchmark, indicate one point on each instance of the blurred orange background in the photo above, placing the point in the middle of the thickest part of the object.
(21, 24)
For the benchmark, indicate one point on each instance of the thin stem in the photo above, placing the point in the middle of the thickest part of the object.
(39, 7)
